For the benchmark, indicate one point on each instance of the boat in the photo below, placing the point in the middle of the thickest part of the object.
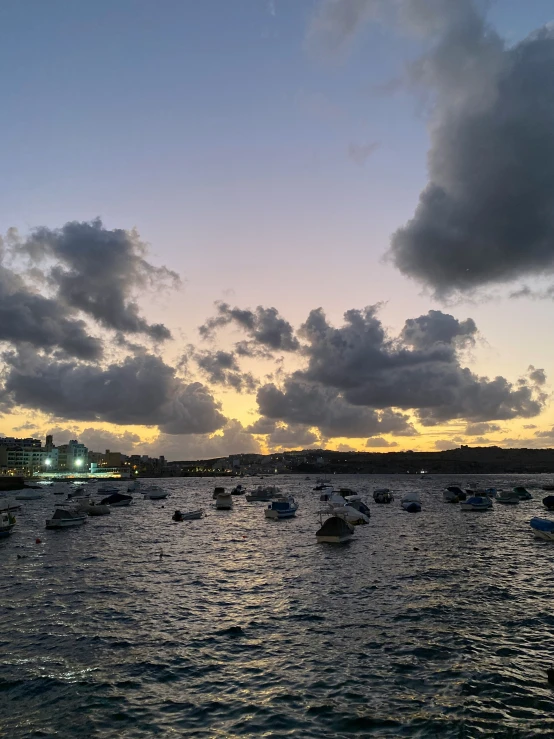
(217, 491)
(133, 486)
(542, 528)
(507, 498)
(7, 522)
(117, 500)
(281, 507)
(29, 494)
(383, 495)
(8, 504)
(91, 508)
(476, 503)
(449, 496)
(352, 508)
(522, 493)
(224, 501)
(411, 503)
(548, 487)
(77, 493)
(458, 492)
(108, 490)
(155, 492)
(322, 483)
(548, 502)
(63, 518)
(334, 530)
(188, 515)
(238, 490)
(263, 494)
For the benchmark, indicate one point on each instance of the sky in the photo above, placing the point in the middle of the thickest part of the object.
(273, 224)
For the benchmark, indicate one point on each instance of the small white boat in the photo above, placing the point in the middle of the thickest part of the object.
(224, 501)
(449, 496)
(352, 508)
(542, 528)
(188, 515)
(476, 503)
(263, 494)
(507, 498)
(29, 494)
(7, 522)
(334, 530)
(64, 518)
(281, 507)
(155, 492)
(410, 502)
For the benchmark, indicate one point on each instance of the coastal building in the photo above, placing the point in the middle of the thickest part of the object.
(72, 456)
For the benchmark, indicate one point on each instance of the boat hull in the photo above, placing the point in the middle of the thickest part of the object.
(120, 504)
(62, 523)
(4, 533)
(333, 539)
(544, 535)
(466, 507)
(278, 515)
(412, 507)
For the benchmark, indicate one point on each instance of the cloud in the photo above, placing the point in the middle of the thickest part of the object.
(370, 368)
(438, 328)
(264, 326)
(222, 368)
(538, 376)
(292, 437)
(378, 441)
(233, 440)
(360, 153)
(141, 390)
(443, 446)
(99, 272)
(485, 216)
(27, 317)
(477, 429)
(314, 405)
(530, 426)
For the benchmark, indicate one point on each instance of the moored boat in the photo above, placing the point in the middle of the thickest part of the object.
(334, 530)
(64, 518)
(155, 492)
(91, 508)
(238, 490)
(449, 496)
(522, 493)
(383, 495)
(224, 501)
(108, 490)
(29, 494)
(282, 507)
(117, 500)
(411, 503)
(188, 515)
(352, 509)
(262, 494)
(548, 502)
(7, 522)
(506, 497)
(476, 503)
(457, 491)
(542, 528)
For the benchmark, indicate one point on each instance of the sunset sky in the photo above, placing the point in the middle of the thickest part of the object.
(277, 224)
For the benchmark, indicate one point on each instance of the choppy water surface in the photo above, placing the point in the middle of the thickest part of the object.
(432, 624)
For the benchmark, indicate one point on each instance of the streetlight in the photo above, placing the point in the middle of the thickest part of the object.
(78, 462)
(48, 462)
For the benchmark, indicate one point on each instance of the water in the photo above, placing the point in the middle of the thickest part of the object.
(437, 624)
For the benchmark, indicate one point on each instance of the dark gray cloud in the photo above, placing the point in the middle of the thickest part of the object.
(264, 327)
(537, 375)
(99, 271)
(27, 317)
(141, 390)
(486, 215)
(478, 429)
(291, 436)
(222, 368)
(379, 442)
(369, 368)
(262, 426)
(313, 405)
(436, 327)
